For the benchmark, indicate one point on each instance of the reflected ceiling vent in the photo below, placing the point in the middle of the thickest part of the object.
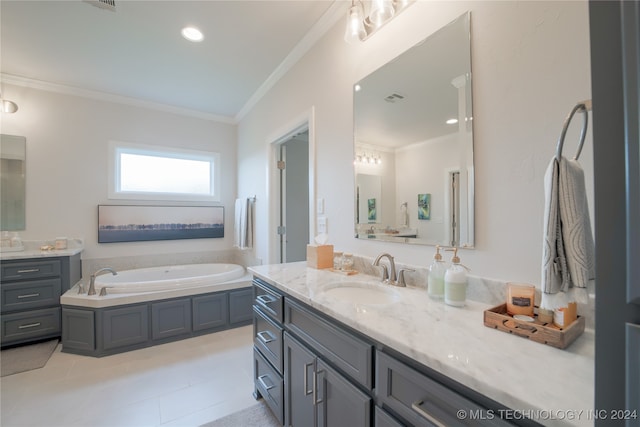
(394, 97)
(103, 4)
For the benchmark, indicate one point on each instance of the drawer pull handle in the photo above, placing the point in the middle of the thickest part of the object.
(30, 325)
(266, 299)
(29, 270)
(265, 340)
(307, 392)
(417, 406)
(28, 296)
(266, 387)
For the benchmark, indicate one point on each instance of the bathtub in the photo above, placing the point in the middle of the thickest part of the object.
(156, 283)
(156, 279)
(151, 306)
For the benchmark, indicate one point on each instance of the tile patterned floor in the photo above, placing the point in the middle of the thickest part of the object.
(184, 383)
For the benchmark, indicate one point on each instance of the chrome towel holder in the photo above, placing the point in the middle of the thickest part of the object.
(583, 107)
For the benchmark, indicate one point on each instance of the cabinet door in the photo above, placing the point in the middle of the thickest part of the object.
(240, 303)
(210, 311)
(170, 318)
(340, 403)
(298, 383)
(122, 327)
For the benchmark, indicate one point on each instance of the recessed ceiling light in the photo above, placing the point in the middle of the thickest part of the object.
(192, 34)
(452, 121)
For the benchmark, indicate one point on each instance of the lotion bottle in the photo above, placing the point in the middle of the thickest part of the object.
(455, 282)
(435, 282)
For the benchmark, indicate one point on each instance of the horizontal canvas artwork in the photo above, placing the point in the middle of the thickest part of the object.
(120, 223)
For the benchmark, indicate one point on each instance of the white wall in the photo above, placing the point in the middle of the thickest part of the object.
(530, 63)
(67, 140)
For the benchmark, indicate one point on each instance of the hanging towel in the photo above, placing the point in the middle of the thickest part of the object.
(568, 247)
(243, 224)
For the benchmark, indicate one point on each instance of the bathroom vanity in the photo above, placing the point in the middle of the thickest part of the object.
(338, 350)
(31, 283)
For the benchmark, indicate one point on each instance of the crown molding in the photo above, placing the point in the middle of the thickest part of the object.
(108, 97)
(336, 11)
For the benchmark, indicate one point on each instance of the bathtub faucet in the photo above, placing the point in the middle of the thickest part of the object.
(92, 283)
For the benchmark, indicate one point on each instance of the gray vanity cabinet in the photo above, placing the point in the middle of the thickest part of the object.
(30, 296)
(316, 394)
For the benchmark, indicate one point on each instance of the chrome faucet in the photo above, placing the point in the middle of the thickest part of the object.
(388, 275)
(92, 283)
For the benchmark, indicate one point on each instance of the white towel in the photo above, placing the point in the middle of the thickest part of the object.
(243, 224)
(568, 247)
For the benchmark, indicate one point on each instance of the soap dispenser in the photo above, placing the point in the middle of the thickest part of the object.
(435, 281)
(455, 282)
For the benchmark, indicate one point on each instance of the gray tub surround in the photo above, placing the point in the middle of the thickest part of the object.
(552, 386)
(31, 282)
(95, 325)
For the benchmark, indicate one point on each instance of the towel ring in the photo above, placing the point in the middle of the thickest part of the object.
(583, 107)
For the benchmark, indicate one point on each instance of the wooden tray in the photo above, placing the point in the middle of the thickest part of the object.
(545, 333)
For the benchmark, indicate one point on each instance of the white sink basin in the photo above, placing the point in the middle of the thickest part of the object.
(360, 293)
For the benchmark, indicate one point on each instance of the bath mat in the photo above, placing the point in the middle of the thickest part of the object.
(255, 416)
(26, 357)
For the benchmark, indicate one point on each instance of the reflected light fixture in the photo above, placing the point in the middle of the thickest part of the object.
(9, 107)
(360, 26)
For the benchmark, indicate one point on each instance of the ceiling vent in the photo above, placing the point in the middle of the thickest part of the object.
(394, 97)
(103, 4)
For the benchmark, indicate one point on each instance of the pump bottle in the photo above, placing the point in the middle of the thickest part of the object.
(435, 282)
(455, 282)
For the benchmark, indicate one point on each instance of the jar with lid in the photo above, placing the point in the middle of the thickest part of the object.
(347, 261)
(337, 261)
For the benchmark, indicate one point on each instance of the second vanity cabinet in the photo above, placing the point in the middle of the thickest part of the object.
(30, 296)
(314, 371)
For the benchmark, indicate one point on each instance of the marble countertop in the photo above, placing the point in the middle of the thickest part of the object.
(554, 387)
(32, 250)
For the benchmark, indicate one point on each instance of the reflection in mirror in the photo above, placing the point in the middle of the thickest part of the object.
(12, 183)
(413, 136)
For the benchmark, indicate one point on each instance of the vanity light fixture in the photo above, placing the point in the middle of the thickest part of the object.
(192, 34)
(361, 26)
(9, 107)
(368, 159)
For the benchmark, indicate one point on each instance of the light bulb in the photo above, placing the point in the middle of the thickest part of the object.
(355, 31)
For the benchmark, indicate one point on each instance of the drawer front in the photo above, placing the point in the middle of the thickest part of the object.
(348, 353)
(267, 336)
(422, 401)
(268, 300)
(382, 419)
(270, 385)
(30, 295)
(30, 269)
(31, 324)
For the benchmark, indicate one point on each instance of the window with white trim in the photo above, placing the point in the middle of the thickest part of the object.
(148, 172)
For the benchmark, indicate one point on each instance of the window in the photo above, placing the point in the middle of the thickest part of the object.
(161, 173)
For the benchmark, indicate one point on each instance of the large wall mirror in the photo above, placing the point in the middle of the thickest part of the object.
(12, 184)
(413, 138)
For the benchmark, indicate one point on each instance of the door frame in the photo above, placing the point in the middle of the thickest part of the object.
(304, 121)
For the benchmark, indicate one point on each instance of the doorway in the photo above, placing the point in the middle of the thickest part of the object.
(293, 167)
(291, 187)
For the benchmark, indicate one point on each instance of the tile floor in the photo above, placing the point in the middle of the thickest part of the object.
(184, 383)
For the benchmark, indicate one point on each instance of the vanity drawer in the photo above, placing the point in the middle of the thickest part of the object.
(353, 356)
(268, 300)
(269, 384)
(30, 295)
(267, 337)
(31, 324)
(30, 270)
(421, 401)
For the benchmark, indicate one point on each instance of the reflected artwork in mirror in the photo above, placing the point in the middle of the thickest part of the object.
(413, 139)
(12, 185)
